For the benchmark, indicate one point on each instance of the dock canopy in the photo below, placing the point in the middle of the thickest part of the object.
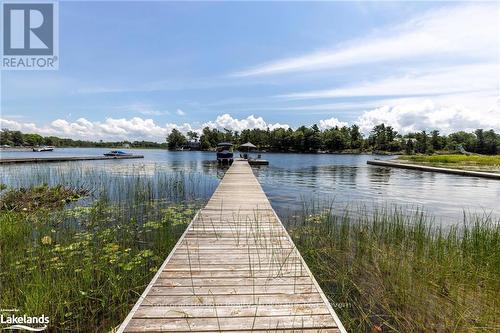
(248, 146)
(224, 144)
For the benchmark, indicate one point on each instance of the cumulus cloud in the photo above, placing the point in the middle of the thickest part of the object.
(330, 123)
(25, 127)
(405, 115)
(428, 115)
(180, 112)
(135, 128)
(230, 123)
(468, 31)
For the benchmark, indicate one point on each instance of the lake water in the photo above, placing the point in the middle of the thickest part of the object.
(289, 180)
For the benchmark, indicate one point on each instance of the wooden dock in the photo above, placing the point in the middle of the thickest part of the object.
(64, 159)
(468, 173)
(235, 269)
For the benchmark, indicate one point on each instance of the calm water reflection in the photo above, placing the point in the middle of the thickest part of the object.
(291, 178)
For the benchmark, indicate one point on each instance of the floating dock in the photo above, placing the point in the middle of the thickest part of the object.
(435, 169)
(64, 159)
(235, 269)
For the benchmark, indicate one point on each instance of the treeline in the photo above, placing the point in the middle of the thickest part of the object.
(19, 139)
(304, 139)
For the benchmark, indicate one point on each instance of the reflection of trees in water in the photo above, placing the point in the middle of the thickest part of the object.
(213, 168)
(379, 175)
(325, 176)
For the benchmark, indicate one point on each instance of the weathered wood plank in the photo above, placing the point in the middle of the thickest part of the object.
(231, 323)
(231, 311)
(235, 269)
(232, 290)
(231, 281)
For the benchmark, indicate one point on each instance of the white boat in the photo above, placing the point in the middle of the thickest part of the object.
(43, 148)
(115, 153)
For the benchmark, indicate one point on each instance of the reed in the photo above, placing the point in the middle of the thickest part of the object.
(483, 160)
(84, 262)
(386, 270)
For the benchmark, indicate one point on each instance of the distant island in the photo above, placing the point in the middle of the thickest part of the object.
(381, 139)
(17, 139)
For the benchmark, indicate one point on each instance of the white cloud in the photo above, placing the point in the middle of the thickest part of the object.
(455, 79)
(25, 127)
(180, 112)
(332, 122)
(154, 112)
(230, 123)
(428, 115)
(135, 128)
(463, 31)
(144, 109)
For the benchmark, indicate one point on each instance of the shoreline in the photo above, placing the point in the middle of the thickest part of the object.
(64, 159)
(460, 172)
(346, 152)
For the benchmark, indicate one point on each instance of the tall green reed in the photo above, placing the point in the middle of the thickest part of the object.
(386, 269)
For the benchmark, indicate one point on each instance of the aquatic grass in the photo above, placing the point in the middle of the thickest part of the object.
(40, 197)
(122, 184)
(449, 158)
(462, 162)
(83, 276)
(401, 272)
(84, 263)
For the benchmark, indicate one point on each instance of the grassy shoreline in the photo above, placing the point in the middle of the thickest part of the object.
(462, 162)
(385, 271)
(83, 266)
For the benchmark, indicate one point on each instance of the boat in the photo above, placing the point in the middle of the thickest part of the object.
(117, 153)
(225, 153)
(43, 148)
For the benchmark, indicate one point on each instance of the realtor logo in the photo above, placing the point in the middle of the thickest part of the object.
(30, 36)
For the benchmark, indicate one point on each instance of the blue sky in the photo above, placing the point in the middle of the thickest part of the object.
(136, 70)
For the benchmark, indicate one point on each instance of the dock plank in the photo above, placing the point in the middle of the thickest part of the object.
(235, 269)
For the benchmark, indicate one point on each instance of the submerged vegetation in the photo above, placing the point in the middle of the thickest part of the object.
(82, 257)
(84, 267)
(42, 196)
(387, 271)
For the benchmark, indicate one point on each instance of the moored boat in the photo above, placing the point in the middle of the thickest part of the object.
(117, 153)
(225, 153)
(43, 148)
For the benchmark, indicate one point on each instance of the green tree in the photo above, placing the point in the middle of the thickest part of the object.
(423, 144)
(462, 138)
(17, 138)
(33, 139)
(409, 146)
(437, 142)
(176, 139)
(192, 135)
(356, 138)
